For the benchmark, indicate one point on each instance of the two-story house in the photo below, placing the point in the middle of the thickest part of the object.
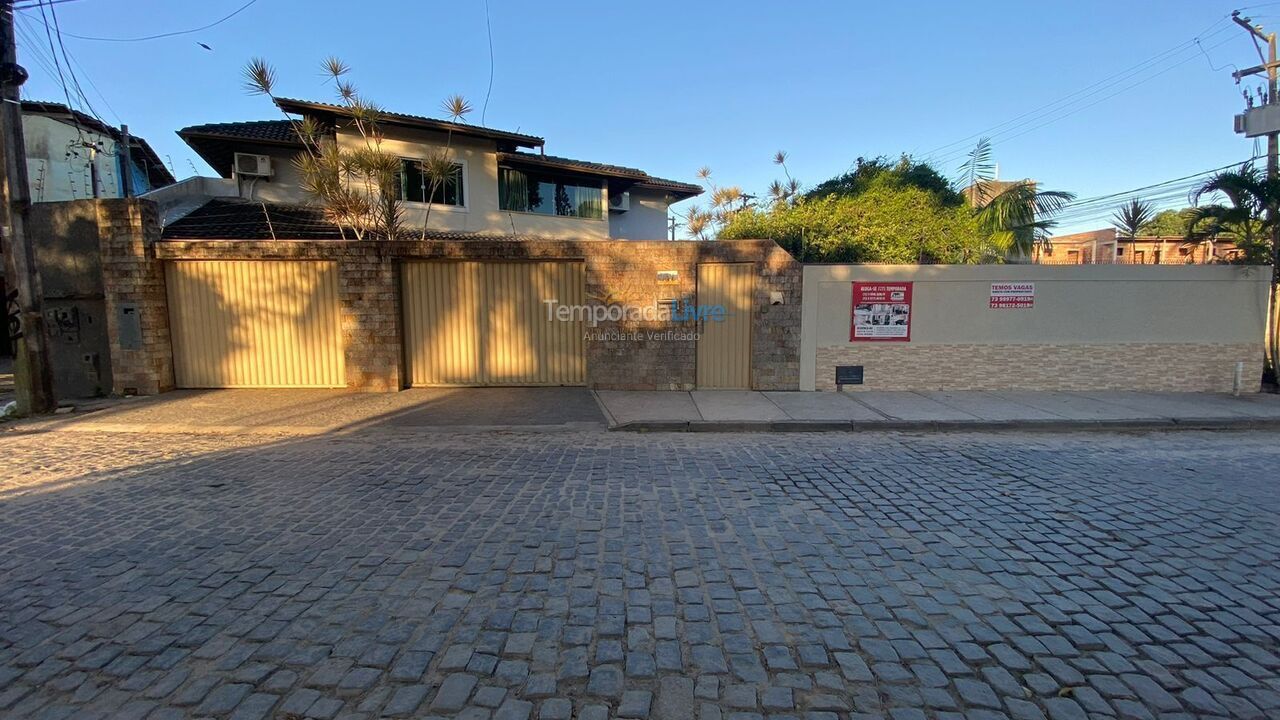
(505, 185)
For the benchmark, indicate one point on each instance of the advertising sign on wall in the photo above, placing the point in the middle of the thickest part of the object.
(881, 311)
(1012, 295)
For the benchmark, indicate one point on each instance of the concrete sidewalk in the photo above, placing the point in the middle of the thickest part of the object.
(730, 410)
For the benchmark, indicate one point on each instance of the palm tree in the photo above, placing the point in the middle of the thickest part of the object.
(1130, 218)
(1015, 216)
(1251, 216)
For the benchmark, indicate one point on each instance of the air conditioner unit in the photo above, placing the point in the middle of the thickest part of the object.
(248, 165)
(620, 202)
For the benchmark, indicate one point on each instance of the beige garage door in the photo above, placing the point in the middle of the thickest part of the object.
(485, 323)
(240, 323)
(724, 347)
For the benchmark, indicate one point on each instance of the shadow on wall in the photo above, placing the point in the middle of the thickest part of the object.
(248, 323)
(75, 315)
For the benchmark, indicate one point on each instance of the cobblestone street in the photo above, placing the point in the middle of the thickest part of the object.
(593, 575)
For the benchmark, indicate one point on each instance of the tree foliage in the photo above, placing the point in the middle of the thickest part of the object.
(1249, 192)
(881, 224)
(901, 211)
(881, 172)
(1166, 223)
(1249, 215)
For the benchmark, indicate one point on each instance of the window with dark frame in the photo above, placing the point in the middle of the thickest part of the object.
(415, 185)
(549, 194)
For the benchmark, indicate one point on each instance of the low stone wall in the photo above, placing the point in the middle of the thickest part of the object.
(619, 271)
(1191, 367)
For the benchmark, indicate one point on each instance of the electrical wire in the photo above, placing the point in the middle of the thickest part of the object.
(1094, 87)
(70, 71)
(489, 29)
(1046, 119)
(158, 36)
(61, 79)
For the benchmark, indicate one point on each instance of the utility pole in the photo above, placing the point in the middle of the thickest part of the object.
(1272, 69)
(126, 157)
(33, 378)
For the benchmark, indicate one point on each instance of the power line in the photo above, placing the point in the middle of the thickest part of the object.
(61, 79)
(1101, 206)
(1109, 80)
(1033, 124)
(489, 29)
(75, 80)
(29, 5)
(158, 36)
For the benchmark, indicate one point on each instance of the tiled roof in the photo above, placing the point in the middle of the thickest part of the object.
(302, 107)
(215, 143)
(594, 168)
(687, 189)
(271, 131)
(236, 219)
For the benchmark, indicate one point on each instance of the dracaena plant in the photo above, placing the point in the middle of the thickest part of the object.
(357, 184)
(437, 167)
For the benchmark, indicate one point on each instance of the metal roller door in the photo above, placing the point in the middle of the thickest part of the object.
(242, 323)
(724, 347)
(485, 323)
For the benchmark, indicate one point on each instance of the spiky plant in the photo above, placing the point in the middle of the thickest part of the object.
(1130, 217)
(437, 167)
(1015, 218)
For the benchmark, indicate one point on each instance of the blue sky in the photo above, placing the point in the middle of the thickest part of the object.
(671, 86)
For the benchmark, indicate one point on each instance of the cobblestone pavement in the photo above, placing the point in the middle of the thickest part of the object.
(595, 575)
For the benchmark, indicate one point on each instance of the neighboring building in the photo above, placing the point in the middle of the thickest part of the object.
(1107, 247)
(506, 185)
(72, 156)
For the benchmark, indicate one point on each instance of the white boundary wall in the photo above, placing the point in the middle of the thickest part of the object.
(1090, 327)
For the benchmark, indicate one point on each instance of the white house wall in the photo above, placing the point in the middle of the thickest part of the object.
(482, 213)
(54, 173)
(646, 220)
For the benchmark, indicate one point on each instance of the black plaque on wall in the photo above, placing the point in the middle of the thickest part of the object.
(848, 375)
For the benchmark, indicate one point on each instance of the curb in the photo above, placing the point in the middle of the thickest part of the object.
(948, 425)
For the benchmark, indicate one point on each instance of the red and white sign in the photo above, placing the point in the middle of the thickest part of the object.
(1012, 295)
(881, 311)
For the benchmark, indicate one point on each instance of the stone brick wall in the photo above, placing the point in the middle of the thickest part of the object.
(127, 233)
(620, 271)
(1119, 366)
(629, 359)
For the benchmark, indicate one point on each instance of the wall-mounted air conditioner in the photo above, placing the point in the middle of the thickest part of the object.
(619, 202)
(249, 165)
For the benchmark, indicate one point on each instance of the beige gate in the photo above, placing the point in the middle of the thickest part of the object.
(255, 323)
(724, 347)
(485, 323)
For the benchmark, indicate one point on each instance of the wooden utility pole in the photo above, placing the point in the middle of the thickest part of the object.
(1272, 69)
(33, 378)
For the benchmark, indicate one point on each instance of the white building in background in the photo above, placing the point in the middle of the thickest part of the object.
(72, 156)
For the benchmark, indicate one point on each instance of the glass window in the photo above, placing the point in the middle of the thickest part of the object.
(522, 191)
(414, 185)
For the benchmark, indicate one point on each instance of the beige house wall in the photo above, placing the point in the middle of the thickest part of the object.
(1091, 327)
(481, 214)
